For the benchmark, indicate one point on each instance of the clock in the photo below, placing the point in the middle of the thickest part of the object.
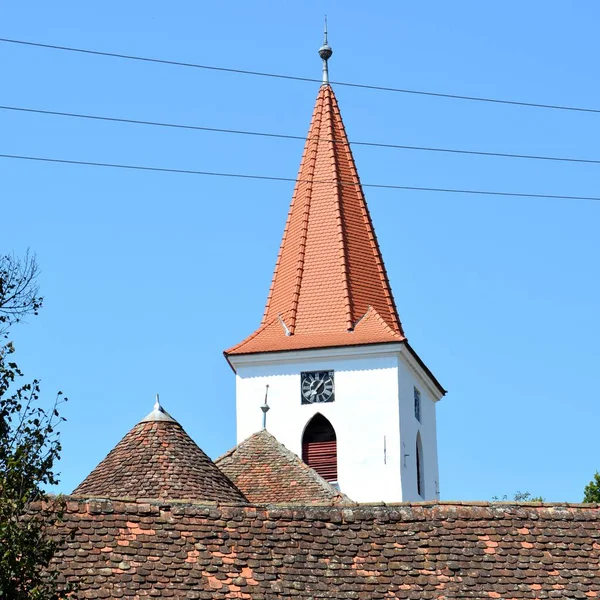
(316, 386)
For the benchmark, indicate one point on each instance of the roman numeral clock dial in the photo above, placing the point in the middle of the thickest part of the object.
(316, 386)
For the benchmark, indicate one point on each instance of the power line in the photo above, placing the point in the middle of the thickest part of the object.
(305, 79)
(294, 180)
(297, 137)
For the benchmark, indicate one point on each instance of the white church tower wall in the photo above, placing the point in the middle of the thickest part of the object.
(373, 415)
(346, 391)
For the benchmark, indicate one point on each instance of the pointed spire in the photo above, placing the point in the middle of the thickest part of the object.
(330, 287)
(325, 53)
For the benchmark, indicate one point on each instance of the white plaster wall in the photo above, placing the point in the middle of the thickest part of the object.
(408, 379)
(373, 400)
(364, 411)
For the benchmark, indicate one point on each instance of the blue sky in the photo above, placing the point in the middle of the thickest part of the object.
(149, 276)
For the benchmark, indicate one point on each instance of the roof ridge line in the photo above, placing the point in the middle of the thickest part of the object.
(261, 328)
(233, 450)
(339, 209)
(371, 231)
(312, 161)
(377, 315)
(267, 445)
(309, 470)
(317, 115)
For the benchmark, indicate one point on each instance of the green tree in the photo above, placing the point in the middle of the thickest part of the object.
(591, 493)
(519, 497)
(29, 448)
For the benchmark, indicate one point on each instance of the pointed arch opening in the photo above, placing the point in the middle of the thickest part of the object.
(319, 447)
(420, 477)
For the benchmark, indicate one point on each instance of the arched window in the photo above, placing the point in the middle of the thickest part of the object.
(420, 478)
(319, 447)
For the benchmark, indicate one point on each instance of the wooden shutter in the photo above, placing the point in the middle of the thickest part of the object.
(322, 457)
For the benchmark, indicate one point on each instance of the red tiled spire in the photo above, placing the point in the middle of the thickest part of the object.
(330, 287)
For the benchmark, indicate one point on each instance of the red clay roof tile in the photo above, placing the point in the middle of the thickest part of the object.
(157, 459)
(267, 472)
(329, 274)
(429, 551)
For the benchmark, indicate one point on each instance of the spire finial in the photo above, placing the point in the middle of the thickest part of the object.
(265, 408)
(158, 413)
(325, 53)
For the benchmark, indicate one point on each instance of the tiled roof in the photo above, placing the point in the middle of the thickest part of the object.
(330, 287)
(267, 472)
(157, 459)
(426, 551)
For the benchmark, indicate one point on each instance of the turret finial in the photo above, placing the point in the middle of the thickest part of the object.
(325, 53)
(158, 413)
(265, 408)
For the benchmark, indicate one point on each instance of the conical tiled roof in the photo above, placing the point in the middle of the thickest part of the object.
(267, 472)
(330, 287)
(157, 459)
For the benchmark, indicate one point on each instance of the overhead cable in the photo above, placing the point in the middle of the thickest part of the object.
(305, 79)
(297, 137)
(294, 180)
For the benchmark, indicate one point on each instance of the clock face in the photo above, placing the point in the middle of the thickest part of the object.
(317, 386)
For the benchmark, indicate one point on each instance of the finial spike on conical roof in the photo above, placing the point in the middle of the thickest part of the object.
(325, 53)
(158, 459)
(158, 413)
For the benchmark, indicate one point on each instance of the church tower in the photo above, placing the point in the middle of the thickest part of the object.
(346, 391)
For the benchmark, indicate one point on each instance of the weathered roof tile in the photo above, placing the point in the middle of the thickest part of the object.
(267, 472)
(422, 550)
(157, 459)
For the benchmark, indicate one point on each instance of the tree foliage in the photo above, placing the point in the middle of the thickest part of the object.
(519, 497)
(29, 449)
(592, 490)
(19, 291)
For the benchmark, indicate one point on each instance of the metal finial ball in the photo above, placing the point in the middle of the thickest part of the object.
(325, 52)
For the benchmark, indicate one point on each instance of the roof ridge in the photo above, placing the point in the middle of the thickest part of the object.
(157, 459)
(308, 181)
(373, 311)
(232, 450)
(256, 333)
(329, 268)
(266, 470)
(304, 235)
(309, 470)
(340, 212)
(369, 226)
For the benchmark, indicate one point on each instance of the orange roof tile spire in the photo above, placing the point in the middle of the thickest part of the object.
(330, 287)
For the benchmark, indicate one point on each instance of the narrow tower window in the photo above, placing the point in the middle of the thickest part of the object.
(417, 394)
(420, 478)
(319, 447)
